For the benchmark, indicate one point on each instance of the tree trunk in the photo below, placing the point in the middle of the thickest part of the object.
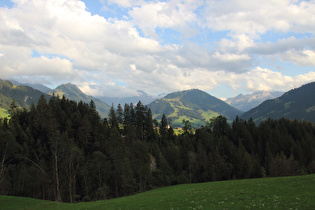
(85, 183)
(70, 182)
(57, 189)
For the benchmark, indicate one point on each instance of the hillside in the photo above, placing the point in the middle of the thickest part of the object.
(248, 101)
(23, 95)
(273, 193)
(72, 92)
(297, 104)
(193, 105)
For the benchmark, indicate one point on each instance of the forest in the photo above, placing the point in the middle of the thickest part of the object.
(64, 151)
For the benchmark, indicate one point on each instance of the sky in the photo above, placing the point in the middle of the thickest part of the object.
(114, 48)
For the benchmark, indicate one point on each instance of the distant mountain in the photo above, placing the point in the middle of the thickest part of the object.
(39, 87)
(161, 95)
(249, 101)
(72, 92)
(296, 104)
(23, 95)
(193, 105)
(143, 97)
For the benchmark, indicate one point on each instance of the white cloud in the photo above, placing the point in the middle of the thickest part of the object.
(66, 29)
(262, 79)
(230, 57)
(303, 58)
(256, 17)
(246, 21)
(173, 14)
(95, 52)
(52, 67)
(298, 51)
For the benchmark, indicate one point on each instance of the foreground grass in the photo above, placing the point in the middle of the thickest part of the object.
(268, 193)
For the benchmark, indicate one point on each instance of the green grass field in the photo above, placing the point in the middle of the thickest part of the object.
(267, 193)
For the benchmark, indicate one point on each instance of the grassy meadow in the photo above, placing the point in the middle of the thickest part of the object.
(296, 192)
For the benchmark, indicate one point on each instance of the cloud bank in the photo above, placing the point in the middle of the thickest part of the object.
(159, 46)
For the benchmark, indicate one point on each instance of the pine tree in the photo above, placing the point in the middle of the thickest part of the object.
(119, 114)
(112, 118)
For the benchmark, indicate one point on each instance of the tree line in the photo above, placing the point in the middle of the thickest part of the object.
(62, 150)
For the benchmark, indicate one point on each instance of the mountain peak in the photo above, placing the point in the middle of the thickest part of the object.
(194, 105)
(249, 101)
(72, 92)
(68, 85)
(196, 92)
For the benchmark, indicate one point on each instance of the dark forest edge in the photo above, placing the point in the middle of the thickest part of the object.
(62, 150)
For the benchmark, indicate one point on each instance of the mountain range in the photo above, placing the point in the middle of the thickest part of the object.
(246, 102)
(39, 87)
(142, 96)
(193, 105)
(297, 104)
(24, 95)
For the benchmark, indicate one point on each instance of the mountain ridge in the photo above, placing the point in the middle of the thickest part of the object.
(72, 92)
(298, 103)
(36, 86)
(24, 96)
(245, 102)
(194, 105)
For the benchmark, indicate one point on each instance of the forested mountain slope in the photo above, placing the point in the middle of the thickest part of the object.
(193, 105)
(297, 104)
(72, 92)
(23, 95)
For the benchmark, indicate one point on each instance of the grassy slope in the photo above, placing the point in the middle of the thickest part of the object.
(267, 193)
(178, 118)
(193, 105)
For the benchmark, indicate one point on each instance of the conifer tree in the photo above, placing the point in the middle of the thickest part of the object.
(119, 114)
(112, 118)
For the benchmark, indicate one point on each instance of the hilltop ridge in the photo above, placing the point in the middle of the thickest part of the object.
(194, 105)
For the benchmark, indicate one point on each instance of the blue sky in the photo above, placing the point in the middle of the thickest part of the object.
(114, 48)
